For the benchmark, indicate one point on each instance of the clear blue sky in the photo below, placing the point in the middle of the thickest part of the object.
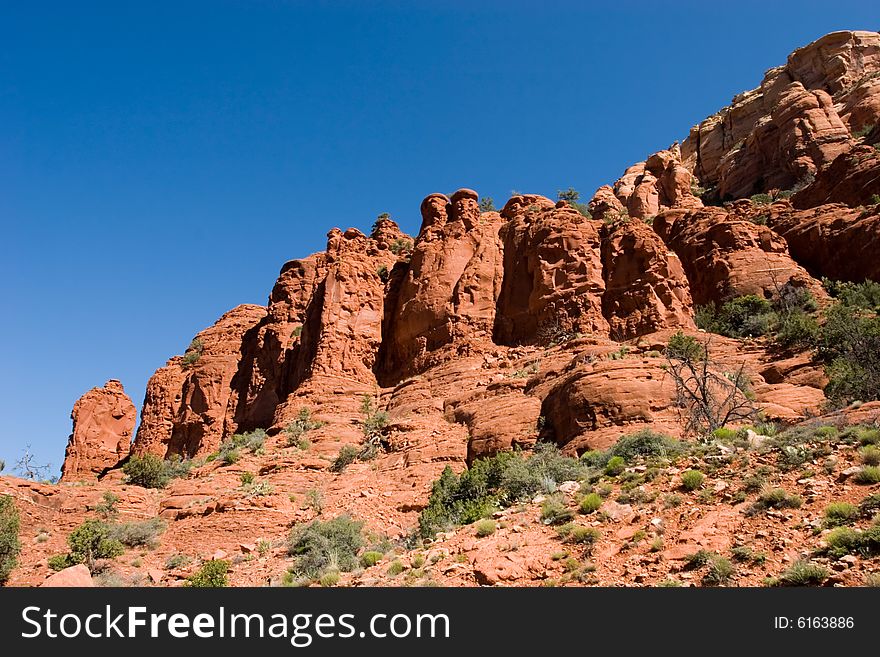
(160, 161)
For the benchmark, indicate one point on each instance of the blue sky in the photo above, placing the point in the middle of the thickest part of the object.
(160, 161)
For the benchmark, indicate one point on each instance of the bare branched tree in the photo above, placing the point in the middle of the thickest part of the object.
(27, 466)
(708, 397)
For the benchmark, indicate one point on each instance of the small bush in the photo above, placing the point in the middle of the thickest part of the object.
(395, 568)
(321, 545)
(615, 465)
(212, 574)
(138, 534)
(646, 444)
(91, 541)
(371, 558)
(843, 540)
(580, 535)
(330, 578)
(193, 353)
(487, 204)
(107, 507)
(724, 434)
(698, 559)
(346, 456)
(776, 498)
(296, 430)
(802, 573)
(59, 561)
(870, 455)
(555, 512)
(401, 246)
(691, 479)
(147, 471)
(590, 503)
(720, 572)
(382, 273)
(684, 347)
(251, 441)
(747, 555)
(176, 561)
(840, 513)
(10, 545)
(485, 528)
(867, 476)
(247, 478)
(870, 505)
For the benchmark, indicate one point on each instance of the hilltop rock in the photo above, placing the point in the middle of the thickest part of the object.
(103, 424)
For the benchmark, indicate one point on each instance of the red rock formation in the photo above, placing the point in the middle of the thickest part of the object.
(645, 285)
(852, 178)
(798, 121)
(648, 187)
(186, 405)
(725, 254)
(552, 283)
(835, 241)
(103, 424)
(450, 289)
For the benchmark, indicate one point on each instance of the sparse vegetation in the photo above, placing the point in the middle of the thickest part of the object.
(554, 511)
(802, 573)
(401, 246)
(137, 534)
(776, 498)
(374, 426)
(691, 479)
(149, 471)
(590, 502)
(572, 196)
(494, 482)
(487, 204)
(320, 546)
(230, 450)
(193, 353)
(840, 513)
(88, 543)
(10, 545)
(347, 455)
(485, 528)
(212, 574)
(107, 507)
(296, 430)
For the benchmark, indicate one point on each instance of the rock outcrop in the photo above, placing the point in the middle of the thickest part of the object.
(103, 425)
(186, 404)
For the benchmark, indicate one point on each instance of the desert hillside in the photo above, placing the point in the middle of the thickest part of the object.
(672, 382)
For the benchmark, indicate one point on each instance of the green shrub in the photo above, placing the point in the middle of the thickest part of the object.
(720, 572)
(346, 456)
(797, 329)
(691, 479)
(870, 455)
(176, 561)
(776, 498)
(401, 246)
(107, 507)
(147, 471)
(684, 347)
(646, 444)
(870, 505)
(864, 295)
(867, 476)
(247, 478)
(382, 273)
(91, 541)
(554, 511)
(138, 534)
(371, 558)
(321, 545)
(615, 465)
(374, 423)
(840, 513)
(10, 546)
(492, 482)
(590, 503)
(724, 434)
(251, 441)
(747, 554)
(485, 528)
(193, 353)
(698, 559)
(843, 540)
(487, 204)
(330, 578)
(395, 568)
(60, 561)
(761, 199)
(849, 342)
(802, 573)
(212, 574)
(745, 316)
(296, 430)
(580, 535)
